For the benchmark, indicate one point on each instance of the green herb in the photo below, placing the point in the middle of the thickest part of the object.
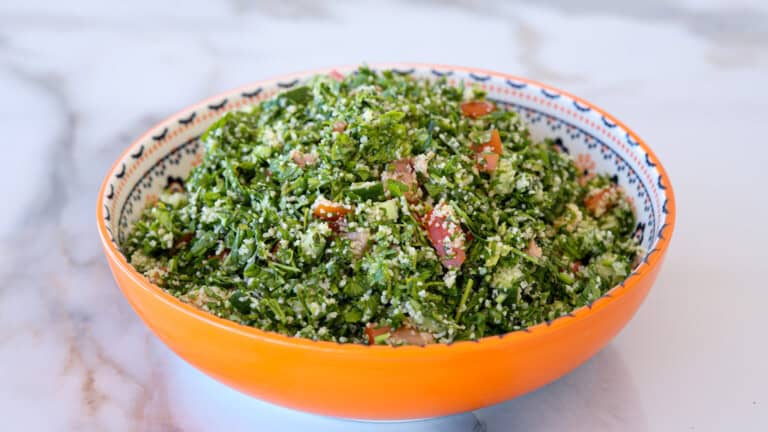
(381, 338)
(396, 188)
(464, 296)
(309, 217)
(372, 190)
(299, 95)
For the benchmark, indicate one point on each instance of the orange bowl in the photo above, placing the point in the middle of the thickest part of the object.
(383, 382)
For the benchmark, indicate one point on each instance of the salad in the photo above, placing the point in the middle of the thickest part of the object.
(384, 209)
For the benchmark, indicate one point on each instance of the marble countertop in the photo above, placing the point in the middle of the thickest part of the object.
(79, 80)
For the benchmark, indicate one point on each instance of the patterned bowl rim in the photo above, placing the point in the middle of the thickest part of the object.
(649, 263)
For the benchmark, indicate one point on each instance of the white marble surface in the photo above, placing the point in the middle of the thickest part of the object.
(80, 79)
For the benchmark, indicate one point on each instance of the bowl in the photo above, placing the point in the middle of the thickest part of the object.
(384, 382)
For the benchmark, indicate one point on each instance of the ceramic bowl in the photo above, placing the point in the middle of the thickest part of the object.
(382, 382)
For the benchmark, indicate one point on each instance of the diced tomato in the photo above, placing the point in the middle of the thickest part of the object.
(221, 256)
(184, 239)
(336, 75)
(338, 226)
(576, 266)
(329, 210)
(488, 162)
(443, 227)
(475, 109)
(488, 154)
(372, 330)
(402, 166)
(592, 200)
(402, 170)
(404, 335)
(303, 159)
(534, 249)
(470, 237)
(410, 336)
(600, 201)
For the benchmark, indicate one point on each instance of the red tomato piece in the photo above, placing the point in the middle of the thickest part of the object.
(475, 109)
(402, 170)
(404, 335)
(336, 75)
(303, 159)
(446, 235)
(600, 201)
(329, 210)
(488, 153)
(410, 336)
(534, 249)
(339, 126)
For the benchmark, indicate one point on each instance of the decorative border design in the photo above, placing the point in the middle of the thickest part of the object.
(191, 147)
(186, 121)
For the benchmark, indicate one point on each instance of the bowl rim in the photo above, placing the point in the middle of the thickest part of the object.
(651, 261)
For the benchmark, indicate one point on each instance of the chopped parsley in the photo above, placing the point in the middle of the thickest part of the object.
(384, 209)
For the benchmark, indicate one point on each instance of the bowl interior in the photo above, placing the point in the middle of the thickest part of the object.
(596, 141)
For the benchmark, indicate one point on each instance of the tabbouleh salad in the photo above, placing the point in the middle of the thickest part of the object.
(384, 209)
